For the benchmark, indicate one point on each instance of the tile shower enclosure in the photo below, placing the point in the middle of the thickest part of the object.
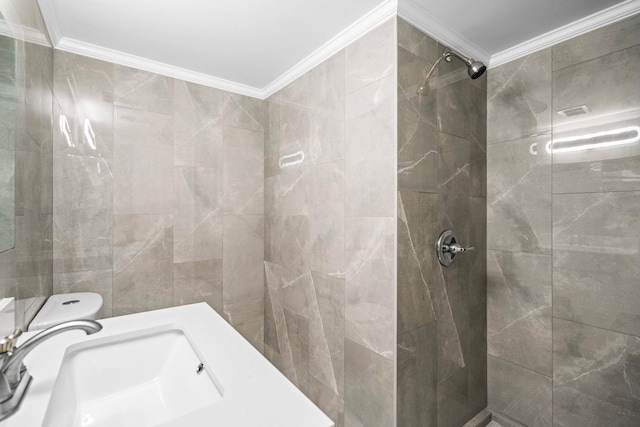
(327, 266)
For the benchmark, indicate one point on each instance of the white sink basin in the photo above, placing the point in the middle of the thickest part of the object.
(146, 378)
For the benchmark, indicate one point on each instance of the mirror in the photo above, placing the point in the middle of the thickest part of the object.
(8, 116)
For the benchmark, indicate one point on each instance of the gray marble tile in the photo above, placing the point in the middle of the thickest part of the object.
(327, 88)
(142, 90)
(198, 282)
(142, 263)
(417, 136)
(477, 141)
(244, 112)
(296, 246)
(453, 185)
(197, 214)
(81, 182)
(416, 214)
(243, 172)
(370, 122)
(370, 188)
(327, 218)
(331, 404)
(326, 332)
(595, 268)
(453, 399)
(86, 247)
(518, 393)
(247, 317)
(371, 57)
(453, 107)
(197, 113)
(519, 196)
(519, 309)
(370, 284)
(417, 377)
(99, 281)
(608, 87)
(143, 162)
(369, 388)
(298, 332)
(272, 137)
(600, 42)
(243, 242)
(519, 98)
(297, 293)
(596, 377)
(84, 89)
(416, 42)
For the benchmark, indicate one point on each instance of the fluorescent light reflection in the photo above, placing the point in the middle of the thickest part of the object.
(291, 159)
(65, 129)
(89, 135)
(606, 139)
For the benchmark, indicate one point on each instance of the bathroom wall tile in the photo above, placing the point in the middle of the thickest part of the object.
(143, 162)
(370, 284)
(243, 172)
(519, 101)
(417, 143)
(596, 376)
(417, 213)
(197, 282)
(197, 113)
(453, 399)
(247, 317)
(197, 214)
(80, 182)
(453, 185)
(243, 242)
(272, 136)
(597, 43)
(609, 88)
(370, 121)
(142, 263)
(298, 332)
(369, 188)
(327, 401)
(453, 107)
(83, 89)
(519, 196)
(595, 270)
(296, 246)
(518, 393)
(297, 293)
(327, 218)
(326, 332)
(477, 141)
(369, 388)
(417, 377)
(143, 90)
(99, 281)
(327, 86)
(79, 248)
(519, 309)
(371, 57)
(244, 112)
(416, 42)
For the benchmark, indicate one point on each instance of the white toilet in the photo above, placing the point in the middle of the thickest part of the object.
(65, 307)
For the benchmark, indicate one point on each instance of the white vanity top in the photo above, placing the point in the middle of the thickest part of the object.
(254, 393)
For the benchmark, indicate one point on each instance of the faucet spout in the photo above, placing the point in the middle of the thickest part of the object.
(12, 367)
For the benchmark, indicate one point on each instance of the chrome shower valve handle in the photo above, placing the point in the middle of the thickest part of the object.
(447, 248)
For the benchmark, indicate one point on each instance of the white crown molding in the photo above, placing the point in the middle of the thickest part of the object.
(592, 22)
(371, 20)
(21, 32)
(420, 18)
(117, 57)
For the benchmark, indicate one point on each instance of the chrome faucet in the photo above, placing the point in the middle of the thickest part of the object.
(14, 378)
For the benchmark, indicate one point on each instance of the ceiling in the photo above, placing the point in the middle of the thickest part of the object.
(256, 47)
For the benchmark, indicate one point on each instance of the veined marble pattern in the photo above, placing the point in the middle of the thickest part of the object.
(596, 260)
(596, 379)
(519, 98)
(416, 42)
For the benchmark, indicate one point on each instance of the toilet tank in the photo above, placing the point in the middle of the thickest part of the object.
(65, 307)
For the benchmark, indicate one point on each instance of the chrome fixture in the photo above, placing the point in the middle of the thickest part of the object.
(14, 378)
(447, 247)
(474, 68)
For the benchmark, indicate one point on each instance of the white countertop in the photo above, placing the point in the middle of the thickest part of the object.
(255, 393)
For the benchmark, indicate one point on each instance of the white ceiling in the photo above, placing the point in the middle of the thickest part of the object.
(257, 46)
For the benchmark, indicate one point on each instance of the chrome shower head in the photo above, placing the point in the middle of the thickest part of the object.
(474, 68)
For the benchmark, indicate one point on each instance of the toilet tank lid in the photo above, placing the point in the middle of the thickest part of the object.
(65, 307)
